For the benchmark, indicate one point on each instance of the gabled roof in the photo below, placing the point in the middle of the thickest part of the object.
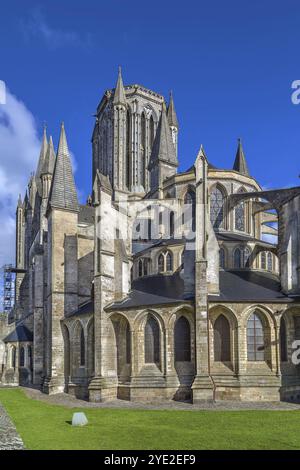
(21, 333)
(63, 194)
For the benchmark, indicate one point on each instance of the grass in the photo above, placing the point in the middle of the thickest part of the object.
(44, 426)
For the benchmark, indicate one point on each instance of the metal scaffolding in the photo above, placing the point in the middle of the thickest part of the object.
(7, 288)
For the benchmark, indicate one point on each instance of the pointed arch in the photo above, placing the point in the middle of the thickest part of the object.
(255, 338)
(161, 263)
(128, 151)
(182, 340)
(151, 132)
(82, 347)
(22, 356)
(222, 258)
(217, 206)
(142, 152)
(169, 261)
(283, 340)
(13, 354)
(189, 212)
(152, 341)
(222, 346)
(240, 214)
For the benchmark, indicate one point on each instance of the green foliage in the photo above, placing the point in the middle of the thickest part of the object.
(45, 426)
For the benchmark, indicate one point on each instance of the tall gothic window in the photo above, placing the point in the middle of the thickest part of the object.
(270, 261)
(172, 224)
(283, 341)
(13, 357)
(152, 349)
(222, 340)
(29, 355)
(142, 151)
(151, 132)
(263, 260)
(182, 340)
(169, 261)
(161, 263)
(22, 357)
(222, 258)
(255, 339)
(217, 201)
(237, 258)
(128, 150)
(239, 215)
(146, 267)
(140, 268)
(82, 347)
(190, 208)
(128, 344)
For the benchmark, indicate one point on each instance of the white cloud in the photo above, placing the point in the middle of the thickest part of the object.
(19, 151)
(36, 26)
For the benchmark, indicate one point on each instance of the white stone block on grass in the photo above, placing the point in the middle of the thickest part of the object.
(79, 419)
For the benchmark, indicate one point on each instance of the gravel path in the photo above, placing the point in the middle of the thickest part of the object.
(71, 402)
(9, 438)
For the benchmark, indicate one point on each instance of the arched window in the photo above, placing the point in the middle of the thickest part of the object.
(239, 215)
(151, 131)
(152, 349)
(222, 258)
(128, 150)
(255, 339)
(13, 357)
(169, 262)
(263, 261)
(172, 224)
(146, 267)
(190, 208)
(283, 342)
(222, 339)
(22, 357)
(161, 263)
(217, 201)
(246, 257)
(270, 261)
(142, 151)
(128, 344)
(140, 268)
(237, 258)
(82, 348)
(29, 355)
(182, 340)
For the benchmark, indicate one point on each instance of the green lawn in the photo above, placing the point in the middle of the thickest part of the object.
(44, 426)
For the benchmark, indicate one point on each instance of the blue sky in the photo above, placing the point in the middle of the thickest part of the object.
(230, 66)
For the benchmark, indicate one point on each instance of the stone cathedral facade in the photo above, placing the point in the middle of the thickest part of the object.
(162, 286)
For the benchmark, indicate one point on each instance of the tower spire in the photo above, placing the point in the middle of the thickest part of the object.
(240, 163)
(41, 157)
(172, 116)
(163, 147)
(119, 96)
(63, 194)
(49, 161)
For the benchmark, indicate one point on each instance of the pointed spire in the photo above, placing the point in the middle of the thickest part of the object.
(172, 116)
(240, 163)
(20, 203)
(163, 147)
(42, 153)
(49, 161)
(63, 193)
(119, 96)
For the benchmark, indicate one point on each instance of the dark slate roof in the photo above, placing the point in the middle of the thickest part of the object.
(63, 194)
(86, 214)
(235, 286)
(21, 333)
(153, 290)
(87, 307)
(246, 285)
(228, 236)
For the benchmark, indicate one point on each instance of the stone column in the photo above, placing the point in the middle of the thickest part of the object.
(202, 387)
